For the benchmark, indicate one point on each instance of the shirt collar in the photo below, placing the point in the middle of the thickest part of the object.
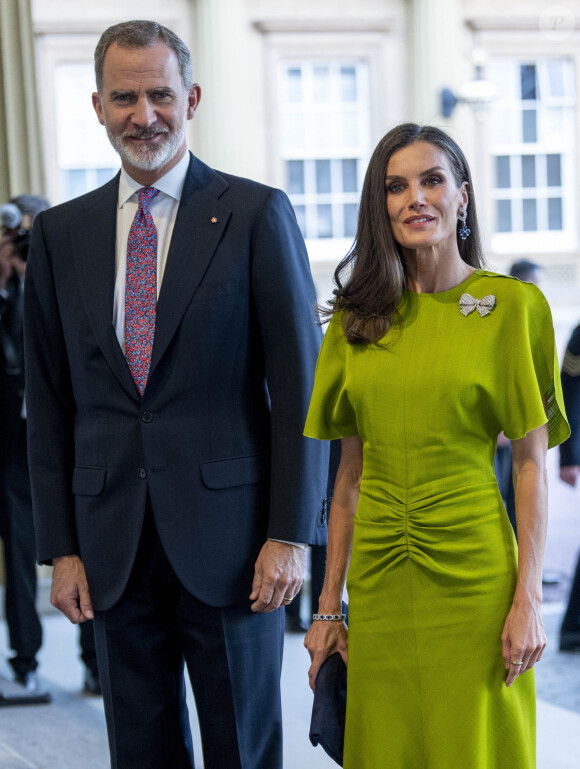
(171, 184)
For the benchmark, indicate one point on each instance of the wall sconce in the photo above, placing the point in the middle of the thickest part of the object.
(477, 92)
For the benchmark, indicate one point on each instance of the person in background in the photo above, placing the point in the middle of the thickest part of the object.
(16, 521)
(171, 342)
(569, 473)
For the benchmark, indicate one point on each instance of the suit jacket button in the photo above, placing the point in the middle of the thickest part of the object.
(147, 416)
(142, 472)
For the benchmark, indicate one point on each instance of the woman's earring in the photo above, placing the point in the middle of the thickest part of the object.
(464, 232)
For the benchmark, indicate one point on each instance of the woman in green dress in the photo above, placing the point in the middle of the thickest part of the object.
(426, 360)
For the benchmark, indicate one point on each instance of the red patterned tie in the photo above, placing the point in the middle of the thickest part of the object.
(141, 289)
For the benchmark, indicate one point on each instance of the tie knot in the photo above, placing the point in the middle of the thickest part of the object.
(146, 195)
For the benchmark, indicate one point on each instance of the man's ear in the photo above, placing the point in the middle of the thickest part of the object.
(193, 99)
(98, 107)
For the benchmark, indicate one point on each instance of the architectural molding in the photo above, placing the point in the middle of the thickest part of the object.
(306, 25)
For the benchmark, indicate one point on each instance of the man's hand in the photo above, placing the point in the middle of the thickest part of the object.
(278, 574)
(69, 592)
(569, 474)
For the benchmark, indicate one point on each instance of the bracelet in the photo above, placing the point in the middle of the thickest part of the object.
(330, 617)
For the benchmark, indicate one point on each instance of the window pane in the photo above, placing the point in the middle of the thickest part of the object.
(300, 212)
(294, 85)
(530, 215)
(504, 216)
(324, 214)
(528, 170)
(75, 182)
(554, 170)
(529, 125)
(295, 177)
(104, 175)
(556, 78)
(323, 176)
(502, 170)
(555, 214)
(349, 176)
(528, 81)
(349, 126)
(350, 219)
(293, 133)
(321, 84)
(348, 83)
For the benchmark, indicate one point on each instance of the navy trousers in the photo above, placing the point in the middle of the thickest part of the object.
(233, 658)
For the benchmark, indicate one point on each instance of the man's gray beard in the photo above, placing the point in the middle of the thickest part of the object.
(149, 157)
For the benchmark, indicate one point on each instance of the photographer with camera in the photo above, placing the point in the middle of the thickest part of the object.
(16, 523)
(16, 526)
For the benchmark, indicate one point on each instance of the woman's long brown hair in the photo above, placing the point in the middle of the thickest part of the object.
(375, 267)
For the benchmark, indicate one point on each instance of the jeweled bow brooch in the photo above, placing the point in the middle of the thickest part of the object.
(484, 306)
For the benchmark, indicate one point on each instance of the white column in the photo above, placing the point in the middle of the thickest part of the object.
(222, 130)
(436, 45)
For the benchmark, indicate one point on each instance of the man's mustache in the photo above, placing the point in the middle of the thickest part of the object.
(145, 133)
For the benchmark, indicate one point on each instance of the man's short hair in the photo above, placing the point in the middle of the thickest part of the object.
(524, 269)
(143, 34)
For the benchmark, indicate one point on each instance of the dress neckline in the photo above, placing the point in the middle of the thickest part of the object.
(460, 286)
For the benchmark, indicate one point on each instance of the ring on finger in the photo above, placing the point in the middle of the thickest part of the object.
(516, 664)
(288, 598)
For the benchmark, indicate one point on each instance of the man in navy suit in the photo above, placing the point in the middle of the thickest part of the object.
(175, 499)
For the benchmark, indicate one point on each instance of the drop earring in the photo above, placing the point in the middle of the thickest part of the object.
(464, 232)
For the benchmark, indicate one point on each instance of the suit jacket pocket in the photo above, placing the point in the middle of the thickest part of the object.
(88, 481)
(237, 471)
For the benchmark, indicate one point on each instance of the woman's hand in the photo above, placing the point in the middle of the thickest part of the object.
(523, 639)
(323, 639)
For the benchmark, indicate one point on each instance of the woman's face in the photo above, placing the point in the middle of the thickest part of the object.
(423, 199)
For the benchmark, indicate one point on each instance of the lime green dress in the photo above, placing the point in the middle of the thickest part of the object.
(434, 558)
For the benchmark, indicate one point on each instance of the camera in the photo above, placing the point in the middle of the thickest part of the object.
(21, 244)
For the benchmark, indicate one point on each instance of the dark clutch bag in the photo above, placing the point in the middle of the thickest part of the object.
(329, 708)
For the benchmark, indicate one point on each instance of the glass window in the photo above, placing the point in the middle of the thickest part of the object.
(502, 168)
(321, 84)
(348, 83)
(528, 81)
(295, 178)
(294, 85)
(533, 130)
(530, 214)
(324, 142)
(349, 175)
(528, 170)
(324, 221)
(350, 219)
(504, 216)
(554, 174)
(555, 214)
(529, 128)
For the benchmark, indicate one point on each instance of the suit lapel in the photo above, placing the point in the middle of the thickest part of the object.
(93, 246)
(199, 226)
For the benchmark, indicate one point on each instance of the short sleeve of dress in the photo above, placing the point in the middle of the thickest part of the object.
(532, 374)
(331, 414)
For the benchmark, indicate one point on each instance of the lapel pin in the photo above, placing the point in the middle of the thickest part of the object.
(213, 220)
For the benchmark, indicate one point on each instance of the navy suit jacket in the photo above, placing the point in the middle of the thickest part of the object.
(216, 441)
